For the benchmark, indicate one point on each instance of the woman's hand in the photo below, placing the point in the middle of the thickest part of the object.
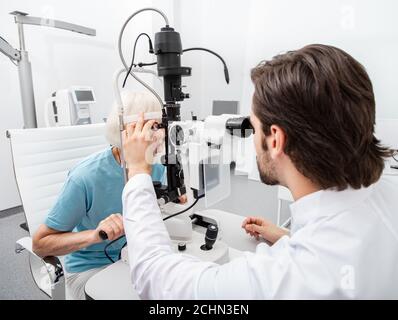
(183, 199)
(112, 226)
(139, 146)
(260, 227)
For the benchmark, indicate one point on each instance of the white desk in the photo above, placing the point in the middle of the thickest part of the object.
(114, 283)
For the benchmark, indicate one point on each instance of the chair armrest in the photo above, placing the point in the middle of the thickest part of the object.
(286, 225)
(24, 243)
(24, 226)
(53, 264)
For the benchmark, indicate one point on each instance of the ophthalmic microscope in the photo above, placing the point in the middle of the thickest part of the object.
(204, 147)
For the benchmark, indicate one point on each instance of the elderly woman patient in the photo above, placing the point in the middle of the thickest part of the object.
(90, 201)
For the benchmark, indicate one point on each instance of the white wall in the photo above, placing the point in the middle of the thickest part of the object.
(60, 59)
(246, 32)
(242, 31)
(222, 27)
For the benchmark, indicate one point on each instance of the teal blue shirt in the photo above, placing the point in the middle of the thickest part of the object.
(92, 192)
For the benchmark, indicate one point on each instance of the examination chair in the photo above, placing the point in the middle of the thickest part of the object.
(284, 194)
(41, 160)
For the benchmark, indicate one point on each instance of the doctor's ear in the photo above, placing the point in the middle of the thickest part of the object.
(277, 140)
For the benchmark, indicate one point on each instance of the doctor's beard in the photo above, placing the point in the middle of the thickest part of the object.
(266, 169)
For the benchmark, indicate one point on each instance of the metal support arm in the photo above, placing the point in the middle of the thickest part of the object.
(37, 21)
(9, 51)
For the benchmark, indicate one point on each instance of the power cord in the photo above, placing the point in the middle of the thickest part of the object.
(226, 72)
(125, 243)
(132, 60)
(182, 211)
(119, 46)
(109, 244)
(143, 64)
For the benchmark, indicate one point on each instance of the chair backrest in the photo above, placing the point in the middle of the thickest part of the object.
(42, 158)
(284, 194)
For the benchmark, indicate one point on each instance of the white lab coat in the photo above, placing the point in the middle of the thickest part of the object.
(342, 245)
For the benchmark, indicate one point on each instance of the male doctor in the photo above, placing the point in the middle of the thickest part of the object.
(313, 114)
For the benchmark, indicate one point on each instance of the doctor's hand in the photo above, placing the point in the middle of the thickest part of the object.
(112, 226)
(139, 146)
(260, 227)
(183, 199)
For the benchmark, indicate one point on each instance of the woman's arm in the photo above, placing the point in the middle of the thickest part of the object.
(51, 242)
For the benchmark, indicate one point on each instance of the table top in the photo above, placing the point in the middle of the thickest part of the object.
(114, 282)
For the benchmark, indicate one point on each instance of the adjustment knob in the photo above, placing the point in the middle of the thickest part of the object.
(182, 246)
(210, 237)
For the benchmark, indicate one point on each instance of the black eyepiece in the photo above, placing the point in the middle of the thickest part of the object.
(240, 127)
(210, 237)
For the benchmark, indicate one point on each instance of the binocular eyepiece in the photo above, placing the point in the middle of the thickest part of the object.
(240, 127)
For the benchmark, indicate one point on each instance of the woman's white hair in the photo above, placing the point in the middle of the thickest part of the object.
(134, 103)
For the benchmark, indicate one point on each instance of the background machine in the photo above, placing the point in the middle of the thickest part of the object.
(69, 107)
(21, 58)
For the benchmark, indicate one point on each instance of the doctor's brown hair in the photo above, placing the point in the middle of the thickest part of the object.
(323, 100)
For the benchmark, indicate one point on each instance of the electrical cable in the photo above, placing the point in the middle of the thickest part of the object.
(123, 60)
(226, 72)
(132, 60)
(164, 219)
(109, 244)
(121, 52)
(182, 211)
(143, 64)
